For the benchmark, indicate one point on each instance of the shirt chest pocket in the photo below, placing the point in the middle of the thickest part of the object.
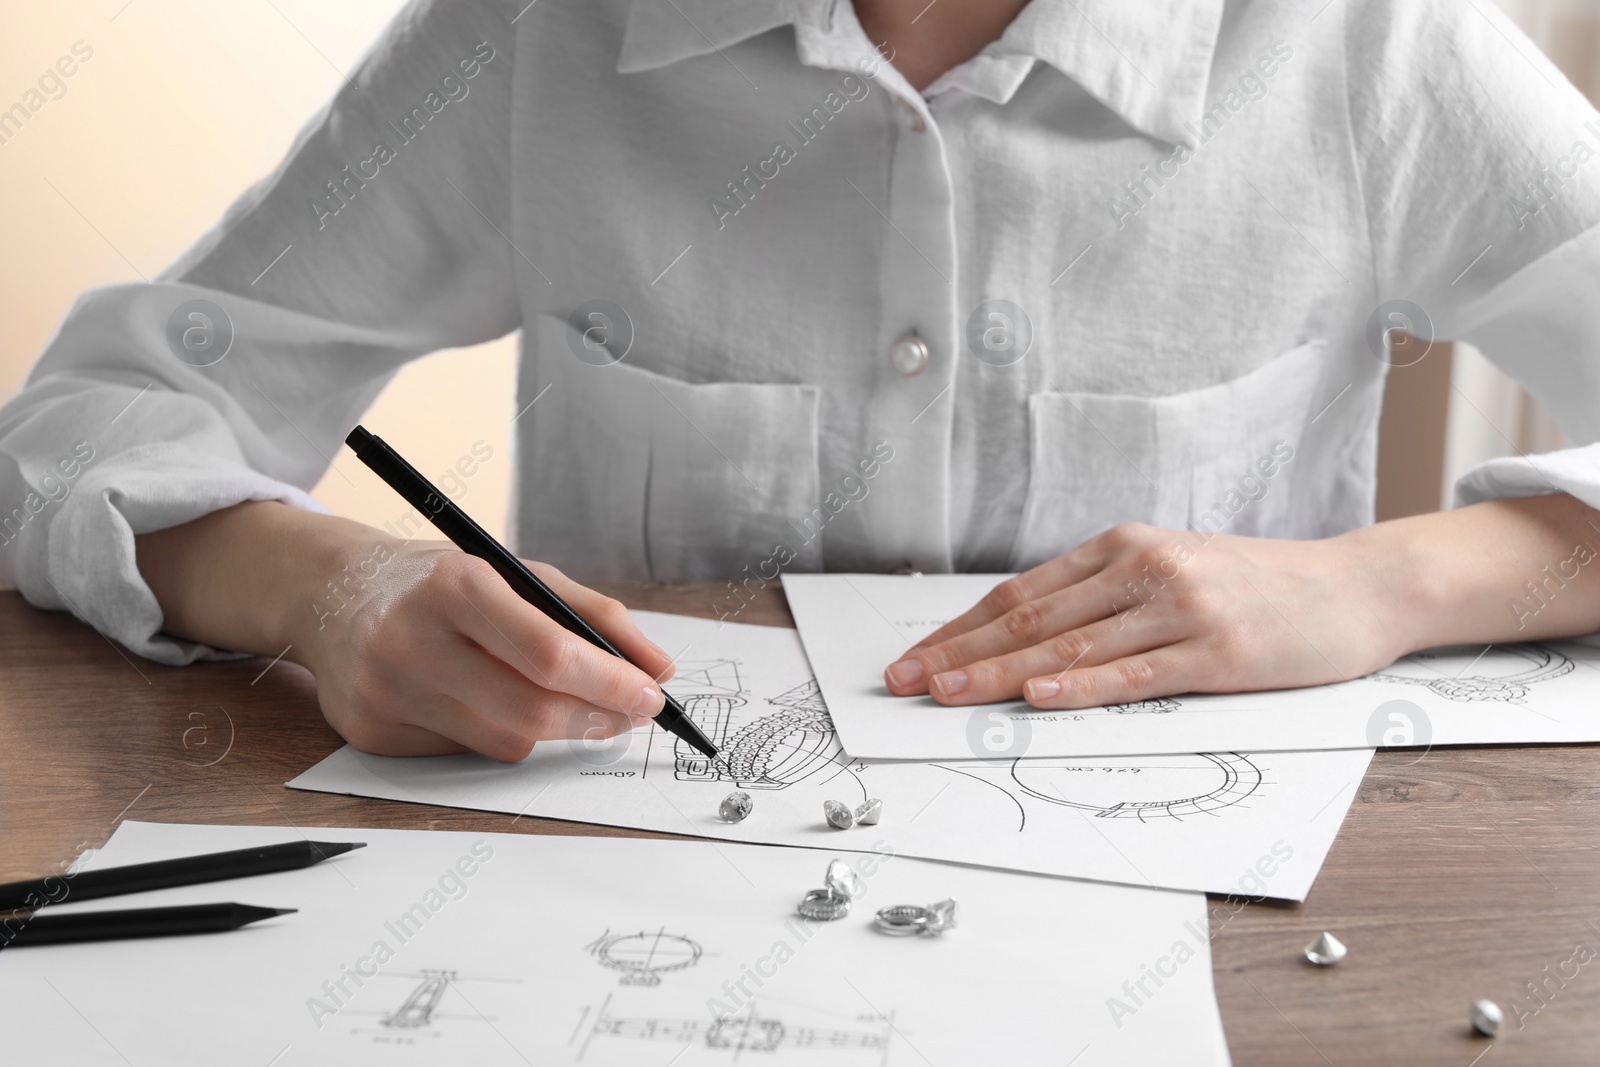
(627, 474)
(1217, 459)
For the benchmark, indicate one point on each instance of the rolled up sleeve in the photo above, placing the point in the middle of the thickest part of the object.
(1480, 166)
(235, 374)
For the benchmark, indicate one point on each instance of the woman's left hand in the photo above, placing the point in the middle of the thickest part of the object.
(1140, 612)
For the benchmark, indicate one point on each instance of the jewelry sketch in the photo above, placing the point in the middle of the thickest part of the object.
(1153, 706)
(427, 1011)
(765, 751)
(644, 957)
(1498, 672)
(796, 739)
(1141, 787)
(749, 1031)
(418, 1009)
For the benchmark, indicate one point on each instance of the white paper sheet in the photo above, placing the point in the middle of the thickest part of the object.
(855, 625)
(1224, 822)
(490, 949)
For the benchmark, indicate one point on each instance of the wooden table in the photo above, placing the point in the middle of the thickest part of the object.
(1459, 873)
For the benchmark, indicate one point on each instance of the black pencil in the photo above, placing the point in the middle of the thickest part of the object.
(163, 874)
(131, 922)
(474, 540)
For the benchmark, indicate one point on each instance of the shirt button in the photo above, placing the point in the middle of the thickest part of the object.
(908, 116)
(908, 355)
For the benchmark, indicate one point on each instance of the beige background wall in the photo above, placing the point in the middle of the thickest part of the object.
(184, 103)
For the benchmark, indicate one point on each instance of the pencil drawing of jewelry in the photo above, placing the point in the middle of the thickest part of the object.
(765, 751)
(643, 957)
(1499, 672)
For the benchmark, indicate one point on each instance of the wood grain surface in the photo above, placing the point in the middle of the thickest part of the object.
(1460, 873)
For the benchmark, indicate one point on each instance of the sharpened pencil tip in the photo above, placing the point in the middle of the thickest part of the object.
(283, 911)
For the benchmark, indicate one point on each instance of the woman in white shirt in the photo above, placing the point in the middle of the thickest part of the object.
(1100, 291)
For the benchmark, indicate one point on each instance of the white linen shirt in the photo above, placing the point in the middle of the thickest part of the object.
(1203, 219)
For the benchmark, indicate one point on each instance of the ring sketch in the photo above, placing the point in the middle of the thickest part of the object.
(643, 957)
(1141, 787)
(1497, 672)
(762, 751)
(749, 1031)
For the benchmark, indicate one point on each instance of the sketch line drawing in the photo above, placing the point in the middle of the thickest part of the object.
(765, 751)
(1153, 706)
(643, 957)
(768, 1035)
(751, 1031)
(1117, 787)
(1022, 810)
(425, 1011)
(710, 691)
(418, 1009)
(1503, 672)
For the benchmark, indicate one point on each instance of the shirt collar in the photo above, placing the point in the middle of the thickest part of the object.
(1148, 61)
(660, 32)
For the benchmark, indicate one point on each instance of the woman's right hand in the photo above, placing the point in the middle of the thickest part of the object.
(417, 648)
(438, 654)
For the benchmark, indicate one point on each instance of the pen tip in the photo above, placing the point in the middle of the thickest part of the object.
(283, 911)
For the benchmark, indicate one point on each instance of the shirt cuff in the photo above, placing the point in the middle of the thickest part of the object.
(1575, 471)
(91, 568)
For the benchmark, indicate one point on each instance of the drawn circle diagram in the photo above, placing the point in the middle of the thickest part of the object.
(644, 957)
(1141, 787)
(1501, 672)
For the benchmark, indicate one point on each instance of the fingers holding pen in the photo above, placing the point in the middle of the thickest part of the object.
(486, 611)
(427, 689)
(491, 708)
(611, 618)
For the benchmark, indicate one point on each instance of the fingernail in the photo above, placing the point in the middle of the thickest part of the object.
(648, 704)
(951, 682)
(1043, 688)
(905, 672)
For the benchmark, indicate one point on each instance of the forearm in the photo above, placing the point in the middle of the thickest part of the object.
(1506, 570)
(254, 577)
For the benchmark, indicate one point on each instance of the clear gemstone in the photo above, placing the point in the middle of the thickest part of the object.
(1486, 1017)
(839, 816)
(942, 916)
(1326, 950)
(735, 806)
(843, 880)
(869, 813)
